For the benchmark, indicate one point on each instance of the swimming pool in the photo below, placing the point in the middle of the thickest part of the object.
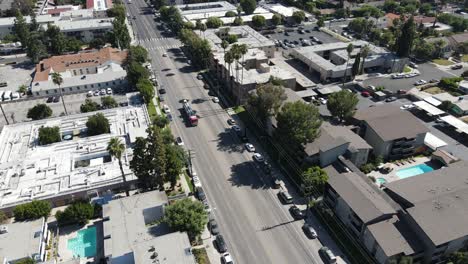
(413, 171)
(84, 244)
(381, 181)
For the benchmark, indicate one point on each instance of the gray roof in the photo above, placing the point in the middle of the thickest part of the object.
(171, 248)
(390, 123)
(23, 239)
(438, 201)
(332, 136)
(360, 194)
(127, 222)
(394, 237)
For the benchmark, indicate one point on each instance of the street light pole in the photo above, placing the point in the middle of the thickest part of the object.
(3, 112)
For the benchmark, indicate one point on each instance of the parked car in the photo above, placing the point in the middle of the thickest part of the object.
(164, 55)
(109, 90)
(200, 193)
(227, 259)
(231, 121)
(215, 99)
(96, 93)
(213, 226)
(285, 197)
(236, 128)
(249, 147)
(89, 94)
(327, 255)
(166, 109)
(413, 65)
(296, 212)
(50, 99)
(420, 82)
(401, 91)
(162, 91)
(309, 231)
(179, 141)
(200, 77)
(391, 99)
(365, 94)
(258, 157)
(322, 100)
(456, 67)
(434, 81)
(56, 99)
(196, 181)
(103, 92)
(220, 244)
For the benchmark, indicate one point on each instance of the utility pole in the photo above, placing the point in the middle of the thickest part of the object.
(3, 112)
(190, 156)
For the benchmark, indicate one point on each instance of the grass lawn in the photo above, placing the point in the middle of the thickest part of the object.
(442, 62)
(407, 69)
(239, 109)
(200, 256)
(189, 182)
(434, 90)
(152, 110)
(464, 58)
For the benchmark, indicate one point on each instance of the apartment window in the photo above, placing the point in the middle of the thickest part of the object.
(37, 93)
(99, 84)
(74, 72)
(71, 88)
(63, 89)
(86, 86)
(78, 87)
(107, 84)
(87, 70)
(55, 90)
(47, 92)
(113, 82)
(92, 85)
(81, 71)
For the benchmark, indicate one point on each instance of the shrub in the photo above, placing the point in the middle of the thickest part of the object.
(39, 111)
(366, 168)
(97, 124)
(89, 106)
(230, 14)
(79, 212)
(49, 135)
(33, 210)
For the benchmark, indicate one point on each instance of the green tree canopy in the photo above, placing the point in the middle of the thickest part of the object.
(117, 11)
(198, 48)
(298, 16)
(277, 19)
(56, 39)
(120, 36)
(314, 178)
(32, 210)
(174, 163)
(161, 121)
(21, 29)
(49, 135)
(97, 124)
(342, 104)
(238, 21)
(214, 22)
(405, 39)
(424, 50)
(135, 73)
(298, 122)
(258, 21)
(108, 102)
(89, 106)
(138, 54)
(39, 111)
(321, 22)
(186, 215)
(230, 14)
(248, 6)
(146, 90)
(26, 261)
(79, 212)
(266, 100)
(459, 257)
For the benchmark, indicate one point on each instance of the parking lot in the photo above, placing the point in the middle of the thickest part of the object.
(293, 35)
(15, 75)
(17, 111)
(427, 72)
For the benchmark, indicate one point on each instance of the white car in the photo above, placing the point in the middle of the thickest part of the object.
(166, 109)
(164, 54)
(249, 147)
(103, 92)
(96, 93)
(196, 181)
(226, 258)
(323, 100)
(148, 66)
(109, 90)
(406, 106)
(258, 157)
(420, 82)
(215, 99)
(89, 94)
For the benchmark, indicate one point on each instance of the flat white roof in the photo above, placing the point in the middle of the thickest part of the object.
(433, 142)
(23, 239)
(432, 101)
(455, 122)
(428, 108)
(31, 171)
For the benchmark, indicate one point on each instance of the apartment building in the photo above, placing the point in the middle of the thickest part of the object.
(81, 72)
(392, 132)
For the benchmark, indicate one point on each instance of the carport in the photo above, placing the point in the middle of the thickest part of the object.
(306, 93)
(429, 109)
(432, 101)
(327, 90)
(455, 122)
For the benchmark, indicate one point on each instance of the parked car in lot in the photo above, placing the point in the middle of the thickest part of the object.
(196, 181)
(309, 231)
(89, 94)
(213, 226)
(231, 121)
(296, 212)
(327, 255)
(258, 157)
(227, 259)
(109, 90)
(215, 99)
(162, 91)
(220, 244)
(96, 93)
(322, 100)
(103, 92)
(50, 99)
(249, 147)
(420, 82)
(166, 109)
(200, 193)
(456, 67)
(406, 106)
(56, 99)
(365, 94)
(285, 197)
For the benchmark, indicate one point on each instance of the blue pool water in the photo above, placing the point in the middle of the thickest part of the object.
(381, 180)
(84, 244)
(413, 171)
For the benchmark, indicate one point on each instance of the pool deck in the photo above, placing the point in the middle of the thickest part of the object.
(69, 232)
(391, 176)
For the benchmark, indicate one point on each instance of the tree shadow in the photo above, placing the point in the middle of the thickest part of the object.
(245, 174)
(227, 143)
(199, 100)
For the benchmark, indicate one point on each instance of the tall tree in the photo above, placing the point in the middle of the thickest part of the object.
(314, 178)
(277, 19)
(342, 104)
(405, 40)
(298, 16)
(138, 54)
(248, 6)
(97, 124)
(146, 90)
(58, 80)
(298, 122)
(21, 29)
(39, 111)
(266, 101)
(356, 66)
(120, 36)
(258, 21)
(364, 53)
(116, 149)
(175, 163)
(57, 40)
(349, 49)
(186, 215)
(35, 48)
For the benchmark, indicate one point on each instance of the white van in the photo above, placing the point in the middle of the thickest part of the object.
(6, 96)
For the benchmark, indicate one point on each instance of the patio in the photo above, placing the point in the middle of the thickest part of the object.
(381, 178)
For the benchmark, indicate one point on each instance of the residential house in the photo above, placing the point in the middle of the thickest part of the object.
(393, 133)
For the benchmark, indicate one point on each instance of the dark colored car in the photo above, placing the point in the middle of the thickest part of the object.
(456, 67)
(56, 99)
(365, 94)
(231, 121)
(201, 194)
(401, 92)
(285, 197)
(220, 244)
(213, 226)
(296, 212)
(161, 98)
(162, 91)
(50, 99)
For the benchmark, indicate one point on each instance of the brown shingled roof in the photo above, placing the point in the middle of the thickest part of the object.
(76, 61)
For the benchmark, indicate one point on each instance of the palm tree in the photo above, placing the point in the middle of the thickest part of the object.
(58, 80)
(116, 148)
(229, 59)
(364, 53)
(224, 45)
(349, 49)
(243, 50)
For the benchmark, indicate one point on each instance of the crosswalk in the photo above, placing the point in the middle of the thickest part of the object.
(161, 43)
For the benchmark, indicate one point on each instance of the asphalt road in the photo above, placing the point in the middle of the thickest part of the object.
(257, 228)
